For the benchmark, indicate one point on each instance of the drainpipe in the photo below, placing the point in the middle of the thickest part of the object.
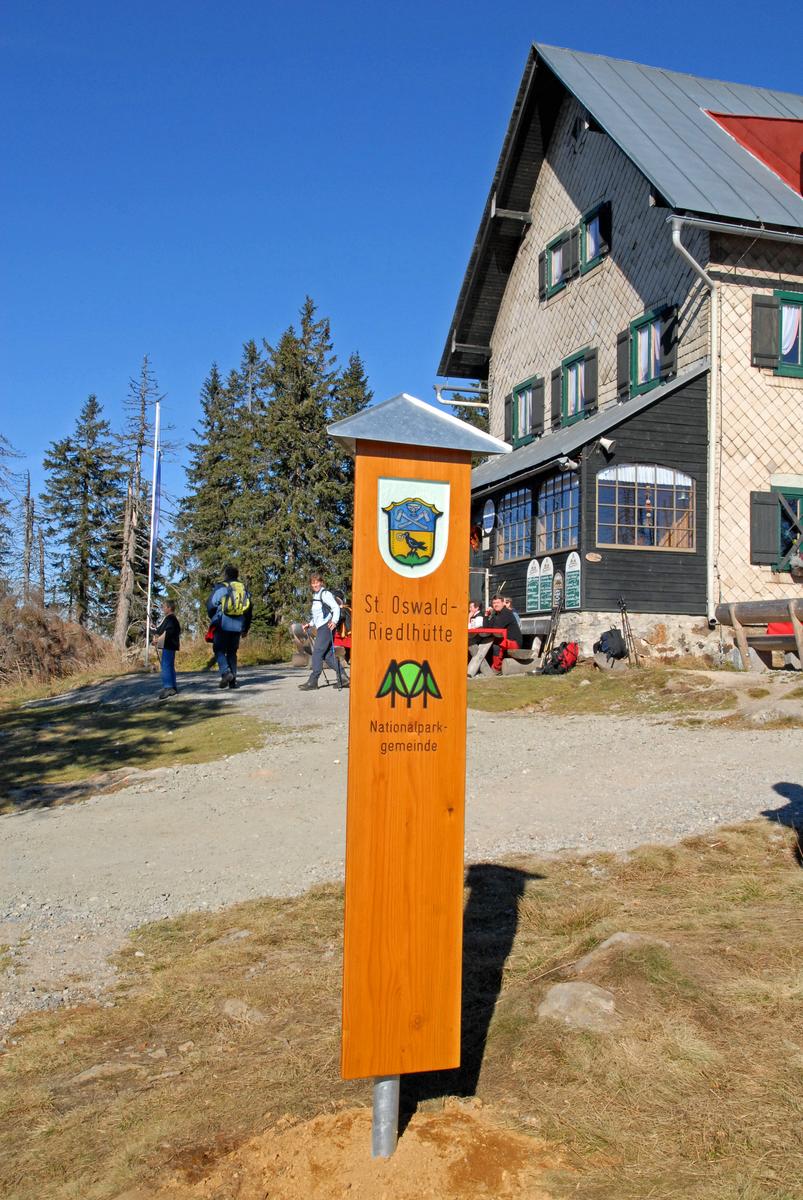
(713, 394)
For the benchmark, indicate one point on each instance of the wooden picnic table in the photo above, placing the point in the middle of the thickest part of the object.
(486, 635)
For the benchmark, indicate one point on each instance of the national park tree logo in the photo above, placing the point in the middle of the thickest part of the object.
(411, 531)
(413, 525)
(408, 679)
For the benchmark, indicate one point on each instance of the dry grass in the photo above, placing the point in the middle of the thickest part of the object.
(64, 743)
(588, 691)
(255, 651)
(698, 1096)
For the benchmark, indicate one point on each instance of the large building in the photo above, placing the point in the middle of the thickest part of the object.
(634, 303)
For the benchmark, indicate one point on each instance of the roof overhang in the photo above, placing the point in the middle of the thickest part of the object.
(504, 222)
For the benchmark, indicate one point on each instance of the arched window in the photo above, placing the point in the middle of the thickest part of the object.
(645, 507)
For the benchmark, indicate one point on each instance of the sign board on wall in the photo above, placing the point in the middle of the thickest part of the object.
(545, 590)
(532, 602)
(572, 592)
(406, 780)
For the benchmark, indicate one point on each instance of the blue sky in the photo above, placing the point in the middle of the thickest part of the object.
(178, 176)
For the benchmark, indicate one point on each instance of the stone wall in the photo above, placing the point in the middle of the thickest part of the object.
(658, 637)
(643, 270)
(760, 413)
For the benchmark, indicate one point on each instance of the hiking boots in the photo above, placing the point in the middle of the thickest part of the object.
(309, 686)
(226, 679)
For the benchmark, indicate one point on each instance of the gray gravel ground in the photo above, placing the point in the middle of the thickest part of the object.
(75, 879)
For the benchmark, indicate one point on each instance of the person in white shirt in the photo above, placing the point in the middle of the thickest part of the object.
(324, 618)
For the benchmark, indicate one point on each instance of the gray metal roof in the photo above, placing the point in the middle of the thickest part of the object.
(658, 119)
(546, 450)
(411, 422)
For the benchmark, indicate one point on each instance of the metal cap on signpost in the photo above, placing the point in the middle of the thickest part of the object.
(407, 715)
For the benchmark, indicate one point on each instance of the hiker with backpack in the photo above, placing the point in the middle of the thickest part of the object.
(324, 619)
(229, 608)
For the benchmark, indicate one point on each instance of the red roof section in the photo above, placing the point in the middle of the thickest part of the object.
(776, 141)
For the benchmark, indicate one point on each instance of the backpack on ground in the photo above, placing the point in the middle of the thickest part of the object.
(561, 659)
(235, 600)
(612, 644)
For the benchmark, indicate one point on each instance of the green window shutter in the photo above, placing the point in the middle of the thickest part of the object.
(509, 417)
(623, 365)
(765, 336)
(538, 407)
(605, 228)
(765, 528)
(557, 397)
(669, 343)
(571, 251)
(590, 403)
(542, 275)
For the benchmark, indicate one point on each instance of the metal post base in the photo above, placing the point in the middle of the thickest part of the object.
(385, 1122)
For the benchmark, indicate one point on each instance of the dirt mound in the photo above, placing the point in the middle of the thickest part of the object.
(455, 1154)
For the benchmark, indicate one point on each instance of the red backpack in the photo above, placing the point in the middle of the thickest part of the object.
(561, 659)
(568, 653)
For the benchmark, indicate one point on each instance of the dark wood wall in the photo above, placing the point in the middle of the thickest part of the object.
(671, 433)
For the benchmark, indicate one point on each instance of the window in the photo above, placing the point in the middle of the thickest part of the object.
(527, 420)
(645, 507)
(777, 333)
(557, 522)
(574, 374)
(645, 351)
(574, 388)
(595, 236)
(791, 527)
(514, 520)
(790, 352)
(556, 265)
(776, 527)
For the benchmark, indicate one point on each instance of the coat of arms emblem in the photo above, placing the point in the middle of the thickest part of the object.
(412, 525)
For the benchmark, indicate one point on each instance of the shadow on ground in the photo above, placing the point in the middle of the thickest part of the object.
(790, 815)
(489, 929)
(45, 753)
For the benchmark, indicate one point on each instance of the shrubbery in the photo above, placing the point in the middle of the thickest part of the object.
(37, 645)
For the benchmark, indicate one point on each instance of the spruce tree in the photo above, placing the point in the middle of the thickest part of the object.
(206, 535)
(351, 395)
(301, 377)
(83, 488)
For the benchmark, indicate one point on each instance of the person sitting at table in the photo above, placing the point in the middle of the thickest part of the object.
(502, 618)
(475, 617)
(509, 606)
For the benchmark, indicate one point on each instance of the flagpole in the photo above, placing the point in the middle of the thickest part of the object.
(151, 549)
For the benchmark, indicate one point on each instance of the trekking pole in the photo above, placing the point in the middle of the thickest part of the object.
(630, 641)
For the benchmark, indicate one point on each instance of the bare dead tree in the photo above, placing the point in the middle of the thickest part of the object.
(27, 552)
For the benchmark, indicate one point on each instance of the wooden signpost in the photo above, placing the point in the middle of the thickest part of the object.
(407, 745)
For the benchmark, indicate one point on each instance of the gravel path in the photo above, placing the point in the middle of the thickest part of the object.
(75, 879)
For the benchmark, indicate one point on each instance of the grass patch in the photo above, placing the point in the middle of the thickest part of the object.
(255, 651)
(587, 691)
(698, 1095)
(66, 743)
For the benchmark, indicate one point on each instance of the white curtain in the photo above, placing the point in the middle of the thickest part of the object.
(790, 326)
(592, 239)
(644, 354)
(556, 271)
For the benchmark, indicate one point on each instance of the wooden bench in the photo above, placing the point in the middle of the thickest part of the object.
(749, 622)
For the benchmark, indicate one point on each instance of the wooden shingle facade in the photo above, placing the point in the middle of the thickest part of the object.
(605, 312)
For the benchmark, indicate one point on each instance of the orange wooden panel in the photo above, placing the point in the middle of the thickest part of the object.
(407, 764)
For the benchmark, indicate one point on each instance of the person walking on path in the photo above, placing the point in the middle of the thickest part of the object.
(324, 618)
(230, 611)
(169, 632)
